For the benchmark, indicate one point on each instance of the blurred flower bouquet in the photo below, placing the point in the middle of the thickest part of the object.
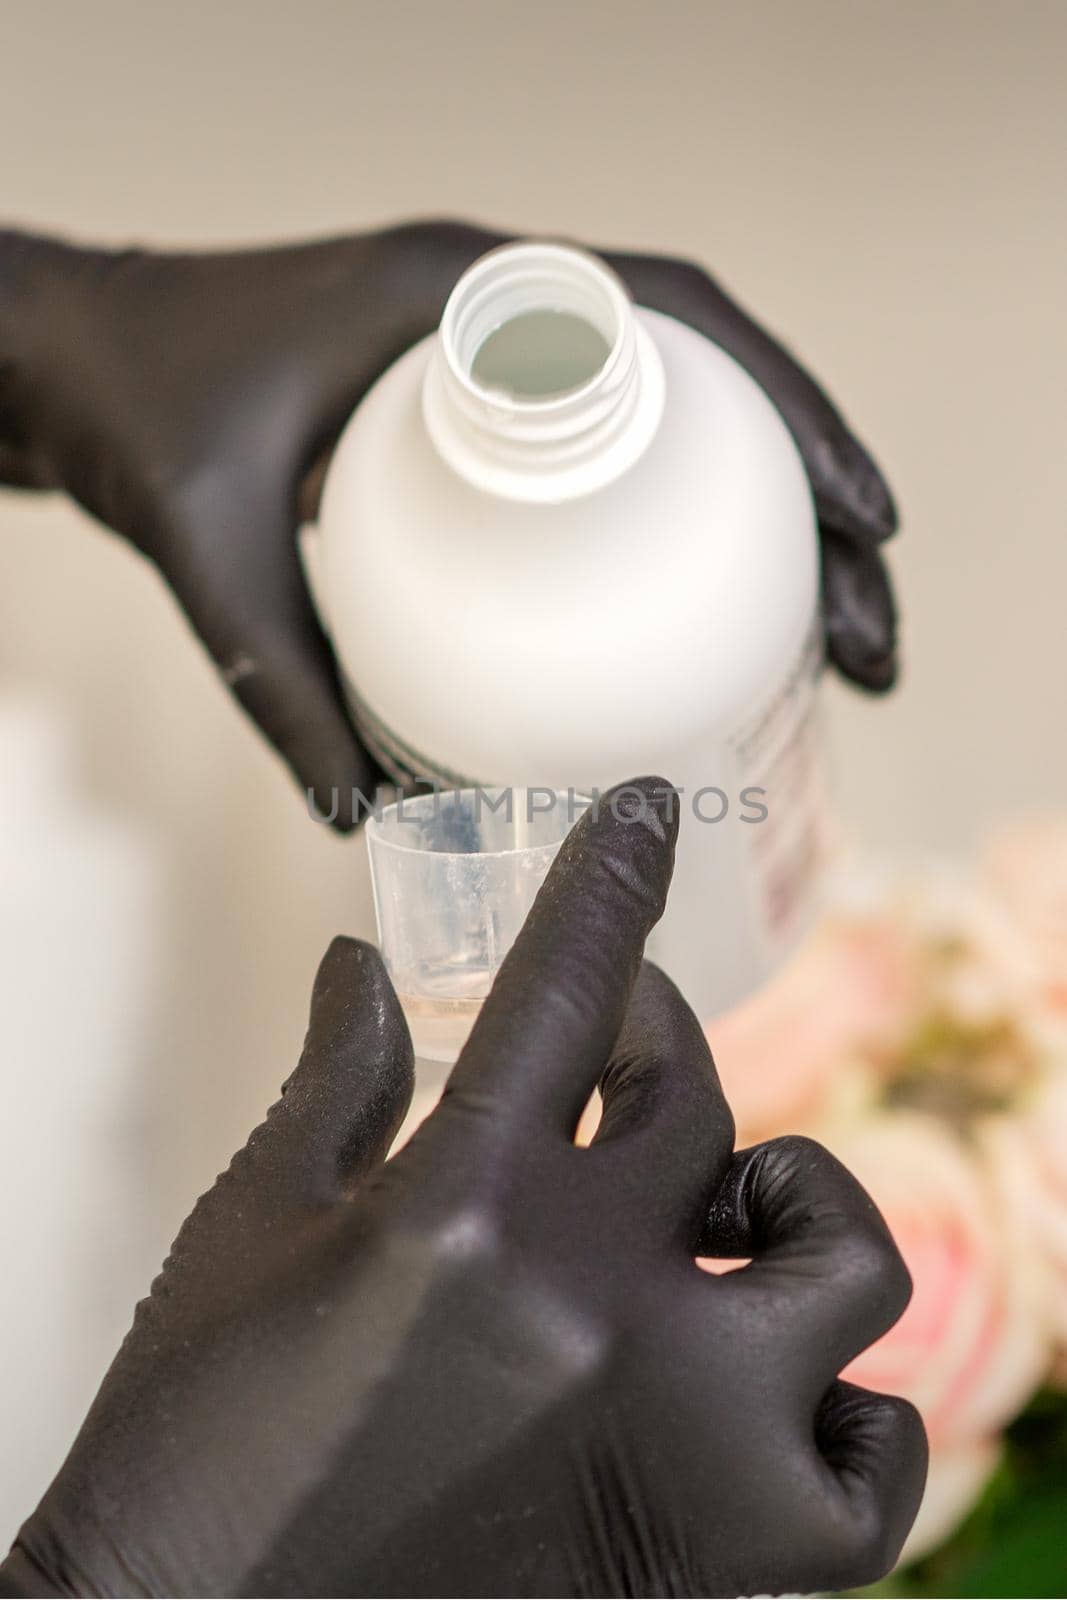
(922, 1036)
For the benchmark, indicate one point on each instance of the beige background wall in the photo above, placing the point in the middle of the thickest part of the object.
(881, 182)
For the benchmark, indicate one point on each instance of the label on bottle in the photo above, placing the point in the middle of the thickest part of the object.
(778, 750)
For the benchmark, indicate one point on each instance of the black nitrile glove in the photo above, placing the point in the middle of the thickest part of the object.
(184, 399)
(491, 1365)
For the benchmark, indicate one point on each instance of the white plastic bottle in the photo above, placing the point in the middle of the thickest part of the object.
(528, 584)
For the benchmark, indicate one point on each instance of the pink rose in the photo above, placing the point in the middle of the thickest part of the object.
(851, 991)
(975, 1341)
(1031, 1152)
(956, 1477)
(1026, 868)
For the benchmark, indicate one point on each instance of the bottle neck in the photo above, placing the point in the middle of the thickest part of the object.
(527, 440)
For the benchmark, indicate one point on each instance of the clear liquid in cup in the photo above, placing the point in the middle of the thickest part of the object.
(439, 1028)
(441, 1014)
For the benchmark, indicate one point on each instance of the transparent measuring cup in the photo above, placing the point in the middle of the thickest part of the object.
(454, 875)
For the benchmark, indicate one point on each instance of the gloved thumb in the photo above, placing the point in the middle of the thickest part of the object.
(338, 1114)
(343, 1105)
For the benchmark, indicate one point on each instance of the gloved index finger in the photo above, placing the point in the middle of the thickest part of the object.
(546, 1031)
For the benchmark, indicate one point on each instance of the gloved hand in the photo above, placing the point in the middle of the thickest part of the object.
(491, 1366)
(183, 400)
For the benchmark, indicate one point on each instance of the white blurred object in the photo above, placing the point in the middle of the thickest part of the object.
(79, 944)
